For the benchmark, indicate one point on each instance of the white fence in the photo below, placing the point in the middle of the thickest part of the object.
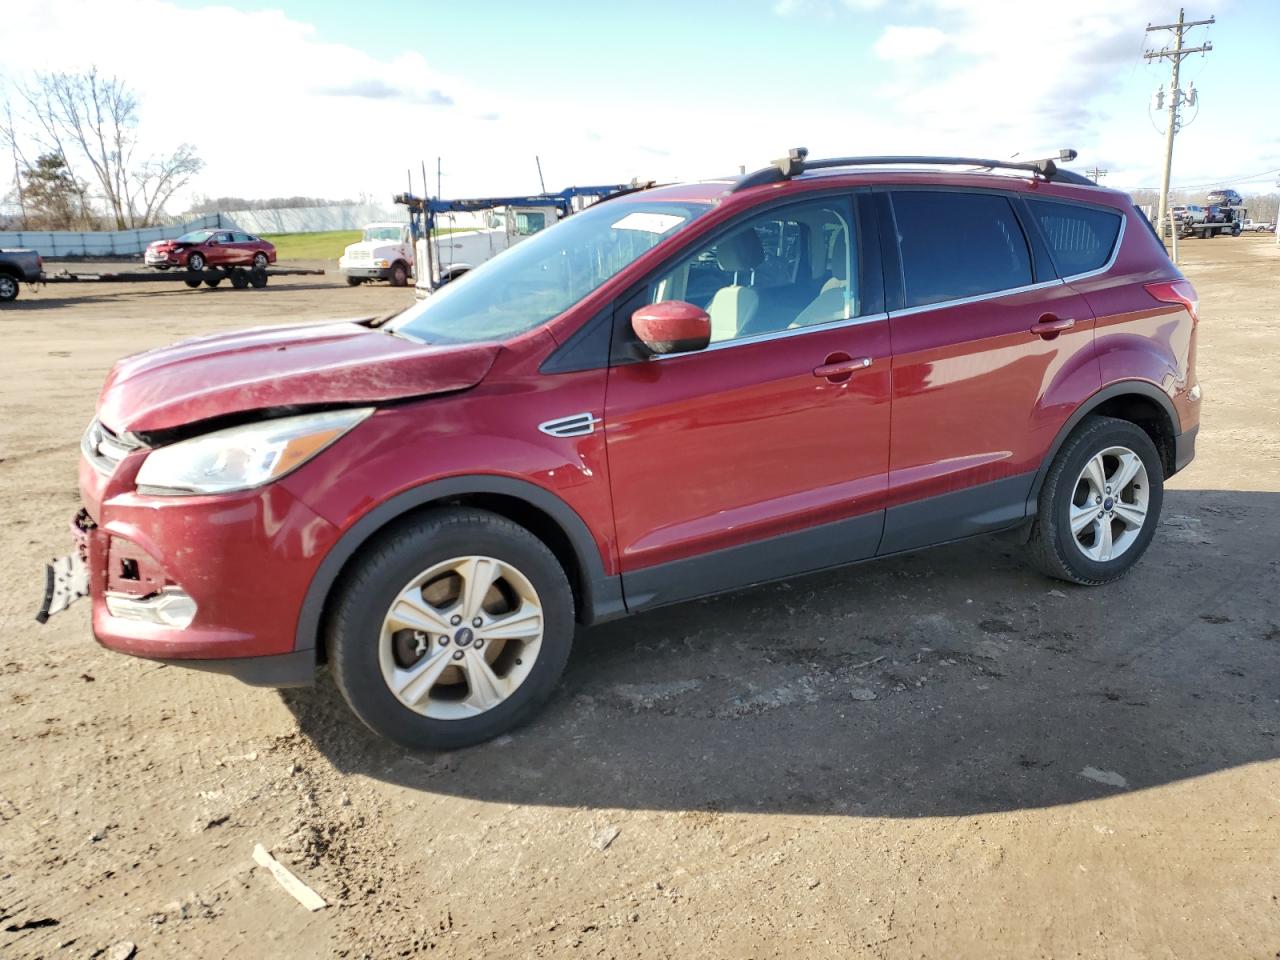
(117, 243)
(351, 216)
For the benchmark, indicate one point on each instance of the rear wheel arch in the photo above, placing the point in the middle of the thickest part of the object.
(597, 596)
(1138, 401)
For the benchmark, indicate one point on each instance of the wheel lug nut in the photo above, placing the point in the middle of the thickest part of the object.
(458, 654)
(444, 641)
(455, 619)
(1097, 499)
(476, 622)
(1101, 514)
(479, 642)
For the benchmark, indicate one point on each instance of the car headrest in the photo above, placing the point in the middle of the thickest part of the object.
(740, 251)
(838, 263)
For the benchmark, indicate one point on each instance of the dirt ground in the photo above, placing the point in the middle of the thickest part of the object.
(942, 755)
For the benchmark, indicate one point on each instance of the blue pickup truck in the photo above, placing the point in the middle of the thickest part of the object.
(16, 267)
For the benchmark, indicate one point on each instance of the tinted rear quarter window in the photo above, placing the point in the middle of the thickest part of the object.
(956, 245)
(1080, 238)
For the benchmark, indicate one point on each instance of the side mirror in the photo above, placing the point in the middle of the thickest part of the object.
(672, 326)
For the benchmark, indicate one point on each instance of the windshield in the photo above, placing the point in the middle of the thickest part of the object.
(543, 276)
(381, 233)
(195, 236)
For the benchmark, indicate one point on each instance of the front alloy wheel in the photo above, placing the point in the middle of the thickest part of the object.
(450, 629)
(461, 637)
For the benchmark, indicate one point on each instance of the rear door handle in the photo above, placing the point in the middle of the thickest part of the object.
(1050, 326)
(837, 370)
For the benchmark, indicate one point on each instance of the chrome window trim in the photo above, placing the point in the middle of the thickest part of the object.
(943, 304)
(777, 335)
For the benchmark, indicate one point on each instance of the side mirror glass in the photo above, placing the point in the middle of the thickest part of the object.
(672, 326)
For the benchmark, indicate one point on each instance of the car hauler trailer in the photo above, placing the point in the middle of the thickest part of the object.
(239, 277)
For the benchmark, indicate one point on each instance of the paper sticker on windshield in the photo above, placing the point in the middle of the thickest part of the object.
(649, 222)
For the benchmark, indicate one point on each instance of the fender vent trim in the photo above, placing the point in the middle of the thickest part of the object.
(575, 425)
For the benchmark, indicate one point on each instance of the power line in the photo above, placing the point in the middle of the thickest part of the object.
(1096, 174)
(1218, 183)
(1175, 55)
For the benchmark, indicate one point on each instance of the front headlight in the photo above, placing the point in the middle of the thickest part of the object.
(243, 457)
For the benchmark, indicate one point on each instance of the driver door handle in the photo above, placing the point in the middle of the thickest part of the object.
(842, 369)
(1050, 326)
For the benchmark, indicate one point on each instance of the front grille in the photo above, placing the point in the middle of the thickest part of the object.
(104, 449)
(360, 255)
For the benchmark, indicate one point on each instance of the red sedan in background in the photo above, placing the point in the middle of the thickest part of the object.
(210, 248)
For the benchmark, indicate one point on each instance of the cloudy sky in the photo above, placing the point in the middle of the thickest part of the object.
(336, 98)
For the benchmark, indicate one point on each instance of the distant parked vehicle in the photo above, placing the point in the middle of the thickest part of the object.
(1226, 198)
(1257, 226)
(211, 248)
(17, 267)
(384, 252)
(1189, 214)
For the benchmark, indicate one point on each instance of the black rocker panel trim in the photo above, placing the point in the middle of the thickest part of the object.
(774, 558)
(984, 508)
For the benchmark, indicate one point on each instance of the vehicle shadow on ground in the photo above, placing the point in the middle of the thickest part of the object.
(948, 682)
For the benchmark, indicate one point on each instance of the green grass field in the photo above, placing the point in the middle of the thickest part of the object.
(317, 246)
(311, 246)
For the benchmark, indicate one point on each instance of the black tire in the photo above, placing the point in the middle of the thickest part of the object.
(213, 281)
(162, 266)
(1052, 546)
(354, 281)
(361, 602)
(239, 279)
(195, 262)
(9, 287)
(257, 279)
(399, 275)
(259, 261)
(191, 282)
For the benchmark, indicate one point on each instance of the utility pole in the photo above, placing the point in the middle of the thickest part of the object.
(1096, 174)
(1176, 55)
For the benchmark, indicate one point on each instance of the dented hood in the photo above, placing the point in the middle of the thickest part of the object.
(340, 362)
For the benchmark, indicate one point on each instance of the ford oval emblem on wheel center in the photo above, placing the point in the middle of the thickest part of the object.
(463, 637)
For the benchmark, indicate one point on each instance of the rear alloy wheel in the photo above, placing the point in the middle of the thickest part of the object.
(1100, 503)
(195, 262)
(259, 261)
(452, 631)
(8, 288)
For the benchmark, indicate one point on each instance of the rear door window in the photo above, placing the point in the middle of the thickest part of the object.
(1080, 238)
(957, 245)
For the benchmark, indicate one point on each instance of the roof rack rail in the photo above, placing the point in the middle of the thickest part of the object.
(797, 162)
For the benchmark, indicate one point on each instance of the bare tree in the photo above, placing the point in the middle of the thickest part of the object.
(9, 139)
(95, 118)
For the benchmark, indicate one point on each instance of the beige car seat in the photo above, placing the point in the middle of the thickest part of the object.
(832, 300)
(735, 306)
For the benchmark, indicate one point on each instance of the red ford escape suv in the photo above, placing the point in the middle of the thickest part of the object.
(676, 392)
